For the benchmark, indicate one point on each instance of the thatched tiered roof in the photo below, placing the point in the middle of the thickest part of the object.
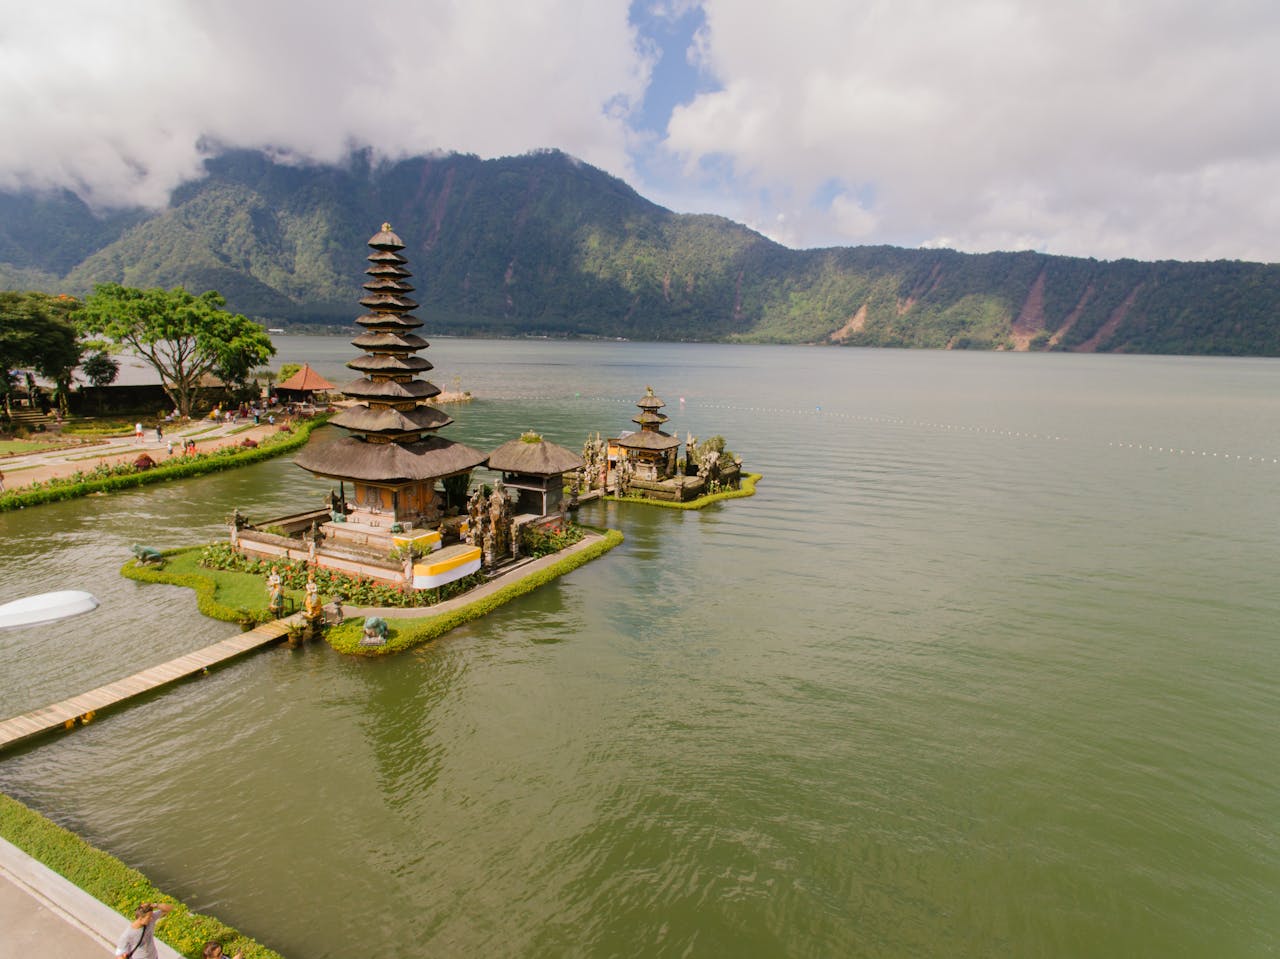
(649, 419)
(392, 430)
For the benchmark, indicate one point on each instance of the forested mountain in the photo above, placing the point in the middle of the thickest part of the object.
(544, 244)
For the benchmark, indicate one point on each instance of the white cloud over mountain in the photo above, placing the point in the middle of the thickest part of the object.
(1144, 129)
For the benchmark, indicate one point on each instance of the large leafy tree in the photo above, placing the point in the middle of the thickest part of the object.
(182, 336)
(36, 332)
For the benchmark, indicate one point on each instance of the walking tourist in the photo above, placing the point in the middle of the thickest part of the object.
(1, 482)
(137, 432)
(139, 940)
(159, 434)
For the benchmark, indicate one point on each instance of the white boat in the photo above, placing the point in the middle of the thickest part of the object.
(47, 607)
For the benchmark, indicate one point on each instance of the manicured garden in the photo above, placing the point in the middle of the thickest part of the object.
(107, 478)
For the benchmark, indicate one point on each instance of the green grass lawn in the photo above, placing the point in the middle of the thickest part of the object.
(10, 447)
(229, 588)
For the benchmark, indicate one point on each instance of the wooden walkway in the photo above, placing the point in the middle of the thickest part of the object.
(64, 715)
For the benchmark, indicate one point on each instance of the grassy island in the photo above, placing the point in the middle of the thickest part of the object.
(748, 488)
(240, 597)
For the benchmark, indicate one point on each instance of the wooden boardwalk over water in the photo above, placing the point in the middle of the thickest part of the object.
(65, 714)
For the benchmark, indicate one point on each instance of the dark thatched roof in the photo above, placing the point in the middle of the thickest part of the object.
(381, 363)
(366, 389)
(387, 284)
(405, 322)
(365, 420)
(385, 239)
(386, 301)
(649, 440)
(390, 341)
(538, 458)
(649, 401)
(354, 459)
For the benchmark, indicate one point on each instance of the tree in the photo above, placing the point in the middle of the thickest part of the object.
(183, 337)
(102, 370)
(36, 333)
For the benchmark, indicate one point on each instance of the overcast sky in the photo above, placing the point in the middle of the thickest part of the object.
(1143, 128)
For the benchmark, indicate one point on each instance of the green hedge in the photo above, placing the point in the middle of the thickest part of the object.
(408, 633)
(108, 880)
(229, 457)
(748, 489)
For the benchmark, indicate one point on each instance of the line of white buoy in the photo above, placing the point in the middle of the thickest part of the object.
(684, 405)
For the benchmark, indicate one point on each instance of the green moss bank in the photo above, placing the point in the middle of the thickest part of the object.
(110, 881)
(72, 487)
(247, 593)
(407, 633)
(748, 488)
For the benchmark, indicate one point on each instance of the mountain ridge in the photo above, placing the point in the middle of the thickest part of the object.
(546, 244)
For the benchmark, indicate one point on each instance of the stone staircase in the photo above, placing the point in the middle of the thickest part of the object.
(32, 420)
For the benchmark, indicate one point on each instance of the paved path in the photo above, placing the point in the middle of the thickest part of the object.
(45, 915)
(23, 469)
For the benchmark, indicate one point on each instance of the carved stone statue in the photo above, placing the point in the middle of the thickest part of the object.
(375, 631)
(476, 516)
(500, 519)
(312, 608)
(146, 554)
(275, 593)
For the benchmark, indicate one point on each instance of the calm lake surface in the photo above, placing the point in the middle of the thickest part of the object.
(987, 667)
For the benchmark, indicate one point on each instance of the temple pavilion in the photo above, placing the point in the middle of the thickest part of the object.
(302, 386)
(535, 469)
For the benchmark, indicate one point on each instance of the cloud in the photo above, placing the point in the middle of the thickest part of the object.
(1142, 129)
(115, 99)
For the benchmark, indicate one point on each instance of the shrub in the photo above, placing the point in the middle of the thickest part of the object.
(144, 462)
(545, 540)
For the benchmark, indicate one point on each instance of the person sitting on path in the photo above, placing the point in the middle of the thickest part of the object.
(213, 950)
(139, 940)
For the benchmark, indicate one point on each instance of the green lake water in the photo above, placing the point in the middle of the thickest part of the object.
(987, 667)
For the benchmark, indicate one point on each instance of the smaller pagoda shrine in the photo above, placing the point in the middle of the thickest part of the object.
(649, 454)
(646, 463)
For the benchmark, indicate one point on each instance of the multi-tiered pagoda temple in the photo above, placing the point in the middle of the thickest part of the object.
(392, 458)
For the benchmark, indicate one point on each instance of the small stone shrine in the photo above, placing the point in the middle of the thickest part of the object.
(535, 469)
